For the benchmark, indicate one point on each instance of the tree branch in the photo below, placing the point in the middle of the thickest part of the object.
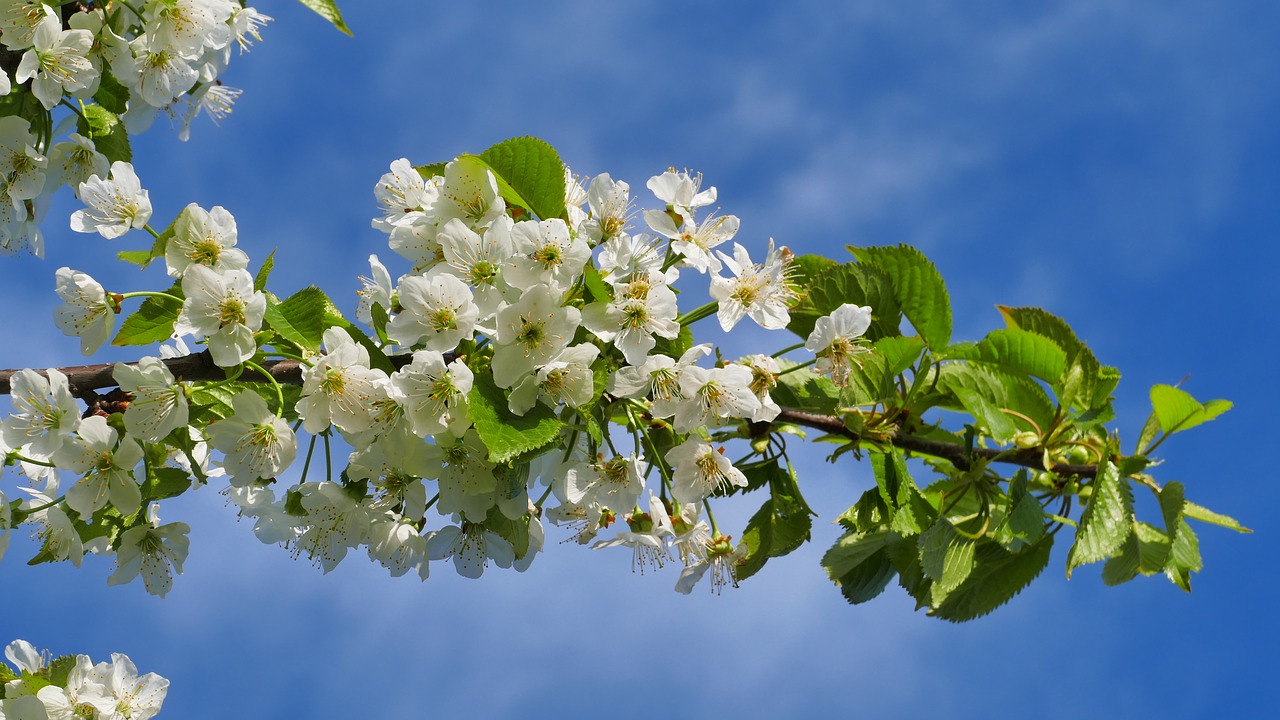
(953, 453)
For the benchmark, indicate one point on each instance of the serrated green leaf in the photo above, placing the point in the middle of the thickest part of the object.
(328, 9)
(854, 549)
(166, 482)
(909, 512)
(997, 577)
(1086, 381)
(211, 402)
(300, 317)
(59, 670)
(532, 169)
(918, 288)
(429, 171)
(152, 322)
(1023, 526)
(515, 531)
(805, 390)
(504, 433)
(106, 131)
(1176, 410)
(868, 580)
(1106, 522)
(847, 283)
(135, 257)
(111, 94)
(1019, 351)
(946, 556)
(998, 388)
(995, 423)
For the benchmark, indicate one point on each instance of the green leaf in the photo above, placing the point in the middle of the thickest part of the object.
(853, 550)
(300, 317)
(264, 272)
(532, 170)
(166, 482)
(1000, 389)
(909, 512)
(1085, 382)
(152, 322)
(757, 539)
(515, 531)
(429, 171)
(1019, 351)
(997, 577)
(111, 94)
(867, 581)
(1184, 549)
(1204, 514)
(1106, 522)
(59, 670)
(946, 556)
(918, 288)
(106, 131)
(1024, 525)
(805, 390)
(214, 400)
(837, 285)
(504, 433)
(989, 417)
(328, 9)
(1176, 410)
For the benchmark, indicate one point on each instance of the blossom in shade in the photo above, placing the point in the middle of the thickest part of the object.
(470, 547)
(107, 465)
(155, 552)
(159, 404)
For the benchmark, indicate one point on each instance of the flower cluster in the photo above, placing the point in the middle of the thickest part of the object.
(518, 342)
(36, 688)
(132, 61)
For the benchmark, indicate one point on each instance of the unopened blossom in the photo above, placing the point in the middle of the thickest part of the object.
(254, 441)
(204, 237)
(695, 240)
(477, 259)
(115, 205)
(438, 312)
(470, 548)
(530, 333)
(712, 395)
(57, 62)
(337, 523)
(159, 404)
(646, 534)
(155, 552)
(107, 465)
(434, 394)
(834, 341)
(615, 483)
(375, 290)
(470, 194)
(45, 413)
(87, 311)
(681, 191)
(72, 161)
(641, 308)
(339, 386)
(567, 379)
(757, 291)
(610, 203)
(545, 253)
(698, 470)
(223, 307)
(22, 166)
(402, 196)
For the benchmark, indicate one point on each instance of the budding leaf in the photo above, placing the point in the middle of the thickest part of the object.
(328, 9)
(1176, 410)
(918, 287)
(1106, 522)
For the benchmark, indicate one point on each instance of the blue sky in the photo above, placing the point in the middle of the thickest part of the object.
(1113, 162)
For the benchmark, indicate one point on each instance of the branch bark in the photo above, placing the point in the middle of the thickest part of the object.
(85, 379)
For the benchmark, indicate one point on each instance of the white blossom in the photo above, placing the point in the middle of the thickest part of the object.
(159, 404)
(469, 193)
(545, 253)
(151, 551)
(223, 307)
(470, 547)
(45, 413)
(107, 468)
(698, 470)
(86, 311)
(255, 442)
(531, 333)
(374, 290)
(567, 379)
(439, 312)
(339, 386)
(115, 205)
(647, 536)
(402, 196)
(57, 62)
(757, 291)
(681, 191)
(834, 341)
(433, 394)
(711, 395)
(337, 524)
(204, 237)
(641, 308)
(610, 203)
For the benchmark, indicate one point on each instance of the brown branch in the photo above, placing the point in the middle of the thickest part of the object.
(953, 453)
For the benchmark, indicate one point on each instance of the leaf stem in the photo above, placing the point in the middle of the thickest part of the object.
(275, 384)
